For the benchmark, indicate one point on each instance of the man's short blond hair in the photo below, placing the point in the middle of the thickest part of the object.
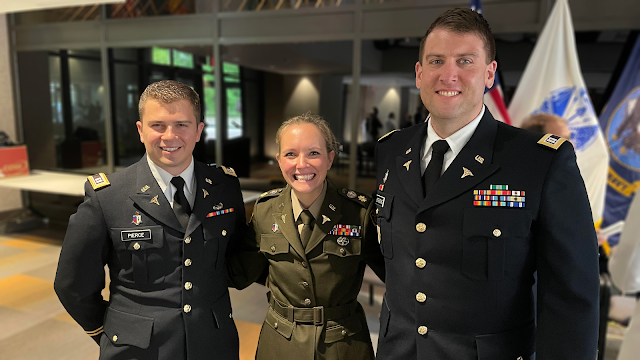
(539, 122)
(169, 91)
(321, 124)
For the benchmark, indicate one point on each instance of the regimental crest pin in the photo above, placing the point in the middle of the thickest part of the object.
(325, 218)
(137, 218)
(218, 207)
(155, 200)
(145, 188)
(479, 159)
(343, 241)
(407, 164)
(466, 172)
(332, 207)
(274, 227)
(351, 194)
(208, 181)
(205, 192)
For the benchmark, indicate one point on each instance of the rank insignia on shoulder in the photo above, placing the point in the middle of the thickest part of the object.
(228, 170)
(98, 181)
(387, 135)
(552, 141)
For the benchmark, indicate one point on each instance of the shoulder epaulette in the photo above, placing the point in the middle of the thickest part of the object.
(98, 181)
(387, 134)
(228, 170)
(269, 194)
(552, 141)
(357, 197)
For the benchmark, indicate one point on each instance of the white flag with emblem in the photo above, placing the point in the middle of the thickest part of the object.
(552, 83)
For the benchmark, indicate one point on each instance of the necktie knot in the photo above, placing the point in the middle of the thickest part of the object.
(440, 147)
(181, 206)
(178, 182)
(306, 217)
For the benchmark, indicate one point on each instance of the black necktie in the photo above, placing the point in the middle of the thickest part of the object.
(308, 220)
(434, 169)
(181, 206)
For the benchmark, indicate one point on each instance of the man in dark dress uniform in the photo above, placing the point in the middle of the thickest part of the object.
(468, 209)
(162, 227)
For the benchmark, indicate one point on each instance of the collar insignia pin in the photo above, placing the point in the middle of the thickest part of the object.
(466, 172)
(407, 164)
(325, 218)
(408, 151)
(274, 228)
(145, 188)
(283, 217)
(208, 181)
(155, 200)
(479, 159)
(332, 207)
(386, 175)
(218, 207)
(205, 193)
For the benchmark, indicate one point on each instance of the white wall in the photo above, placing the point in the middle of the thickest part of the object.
(11, 199)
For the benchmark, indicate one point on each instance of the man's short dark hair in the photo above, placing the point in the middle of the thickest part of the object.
(464, 21)
(168, 91)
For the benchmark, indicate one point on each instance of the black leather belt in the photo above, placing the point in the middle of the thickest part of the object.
(317, 315)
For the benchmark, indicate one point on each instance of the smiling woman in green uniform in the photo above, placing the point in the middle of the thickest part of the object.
(313, 240)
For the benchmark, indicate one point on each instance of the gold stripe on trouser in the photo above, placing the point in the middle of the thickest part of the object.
(96, 331)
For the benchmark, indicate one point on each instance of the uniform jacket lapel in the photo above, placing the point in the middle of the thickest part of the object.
(452, 183)
(410, 174)
(163, 212)
(204, 205)
(321, 229)
(288, 226)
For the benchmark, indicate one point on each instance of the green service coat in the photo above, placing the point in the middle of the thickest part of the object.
(325, 273)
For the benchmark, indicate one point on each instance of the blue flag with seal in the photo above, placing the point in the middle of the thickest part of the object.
(620, 122)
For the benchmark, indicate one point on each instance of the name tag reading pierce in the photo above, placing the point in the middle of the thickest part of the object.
(129, 235)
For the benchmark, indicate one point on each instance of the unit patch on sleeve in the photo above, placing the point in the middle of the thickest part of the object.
(98, 181)
(552, 141)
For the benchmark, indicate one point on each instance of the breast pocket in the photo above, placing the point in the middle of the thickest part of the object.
(217, 231)
(486, 233)
(138, 251)
(384, 203)
(274, 246)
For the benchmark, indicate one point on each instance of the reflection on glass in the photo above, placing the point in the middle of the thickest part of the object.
(126, 95)
(234, 113)
(182, 59)
(209, 100)
(55, 90)
(161, 56)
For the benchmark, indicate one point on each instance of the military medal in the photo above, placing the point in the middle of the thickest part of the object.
(208, 181)
(205, 193)
(325, 218)
(274, 228)
(220, 212)
(137, 218)
(345, 230)
(332, 207)
(466, 172)
(499, 196)
(218, 207)
(155, 200)
(407, 164)
(145, 188)
(343, 241)
(479, 159)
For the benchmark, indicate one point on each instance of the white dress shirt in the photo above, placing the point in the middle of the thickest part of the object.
(456, 142)
(168, 189)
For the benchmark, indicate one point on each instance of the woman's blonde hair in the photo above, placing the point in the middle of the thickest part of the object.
(321, 124)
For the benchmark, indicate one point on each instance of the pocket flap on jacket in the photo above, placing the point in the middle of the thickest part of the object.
(274, 244)
(507, 345)
(283, 326)
(484, 221)
(348, 327)
(383, 204)
(128, 329)
(351, 245)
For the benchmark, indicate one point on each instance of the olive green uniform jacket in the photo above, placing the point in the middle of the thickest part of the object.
(313, 312)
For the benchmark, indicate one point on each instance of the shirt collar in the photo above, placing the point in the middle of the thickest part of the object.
(314, 209)
(163, 178)
(457, 140)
